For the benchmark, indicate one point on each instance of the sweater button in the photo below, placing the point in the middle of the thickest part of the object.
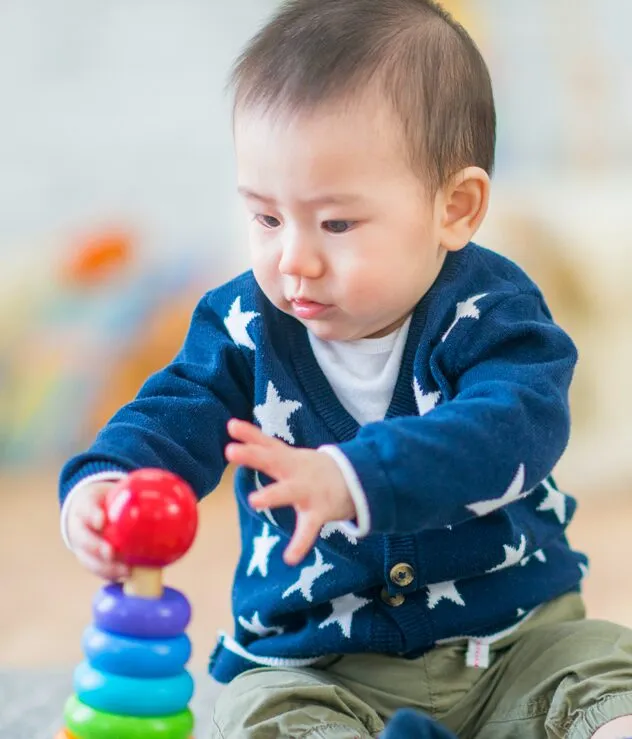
(392, 600)
(402, 574)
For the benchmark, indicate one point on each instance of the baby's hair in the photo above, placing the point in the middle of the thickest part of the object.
(411, 51)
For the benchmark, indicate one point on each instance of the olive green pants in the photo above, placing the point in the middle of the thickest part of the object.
(558, 675)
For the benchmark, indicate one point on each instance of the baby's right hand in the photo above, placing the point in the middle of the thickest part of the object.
(84, 524)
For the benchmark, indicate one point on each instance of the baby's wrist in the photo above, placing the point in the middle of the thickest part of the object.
(359, 505)
(344, 504)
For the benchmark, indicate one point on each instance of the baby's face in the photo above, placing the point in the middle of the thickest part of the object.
(342, 235)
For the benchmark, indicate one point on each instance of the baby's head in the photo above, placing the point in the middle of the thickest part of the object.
(364, 133)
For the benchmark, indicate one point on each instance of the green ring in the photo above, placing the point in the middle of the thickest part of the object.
(86, 723)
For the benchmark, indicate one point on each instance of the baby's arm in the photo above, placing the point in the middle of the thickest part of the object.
(178, 419)
(176, 422)
(502, 429)
(498, 435)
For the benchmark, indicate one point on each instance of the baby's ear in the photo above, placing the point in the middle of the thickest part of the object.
(463, 201)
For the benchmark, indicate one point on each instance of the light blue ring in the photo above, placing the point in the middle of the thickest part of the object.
(135, 657)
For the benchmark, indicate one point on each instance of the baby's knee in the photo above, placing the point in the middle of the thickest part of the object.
(250, 689)
(275, 702)
(257, 696)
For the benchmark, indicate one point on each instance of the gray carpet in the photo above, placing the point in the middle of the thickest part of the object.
(31, 703)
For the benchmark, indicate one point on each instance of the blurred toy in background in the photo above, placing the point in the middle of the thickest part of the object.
(95, 258)
(80, 330)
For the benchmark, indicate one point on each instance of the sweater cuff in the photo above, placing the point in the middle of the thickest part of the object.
(363, 514)
(379, 497)
(111, 476)
(70, 477)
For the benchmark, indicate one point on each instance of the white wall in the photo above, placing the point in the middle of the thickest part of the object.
(115, 109)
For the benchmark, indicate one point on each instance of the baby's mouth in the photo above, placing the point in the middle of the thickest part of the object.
(306, 309)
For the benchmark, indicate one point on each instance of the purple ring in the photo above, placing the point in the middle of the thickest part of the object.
(118, 613)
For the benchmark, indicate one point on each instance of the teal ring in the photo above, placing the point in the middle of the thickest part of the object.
(132, 696)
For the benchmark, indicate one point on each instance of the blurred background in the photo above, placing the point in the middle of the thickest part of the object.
(118, 210)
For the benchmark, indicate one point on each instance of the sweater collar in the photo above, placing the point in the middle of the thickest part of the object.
(317, 387)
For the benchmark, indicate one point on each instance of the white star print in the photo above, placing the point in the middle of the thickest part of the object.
(335, 527)
(236, 324)
(308, 577)
(583, 569)
(554, 501)
(273, 415)
(513, 555)
(538, 554)
(254, 626)
(441, 590)
(520, 612)
(342, 613)
(263, 545)
(425, 401)
(465, 309)
(514, 492)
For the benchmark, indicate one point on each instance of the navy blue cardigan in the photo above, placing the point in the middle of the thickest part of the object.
(457, 476)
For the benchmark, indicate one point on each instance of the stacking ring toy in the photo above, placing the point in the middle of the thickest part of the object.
(133, 682)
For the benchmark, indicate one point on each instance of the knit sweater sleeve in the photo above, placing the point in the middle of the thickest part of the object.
(501, 427)
(178, 419)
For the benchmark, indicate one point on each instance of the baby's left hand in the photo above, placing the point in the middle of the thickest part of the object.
(308, 480)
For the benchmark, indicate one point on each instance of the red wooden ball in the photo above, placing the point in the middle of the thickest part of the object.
(151, 518)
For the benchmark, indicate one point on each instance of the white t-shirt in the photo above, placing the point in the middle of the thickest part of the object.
(363, 373)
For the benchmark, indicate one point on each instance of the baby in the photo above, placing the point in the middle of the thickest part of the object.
(394, 398)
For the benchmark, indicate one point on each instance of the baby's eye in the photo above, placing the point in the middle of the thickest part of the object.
(267, 221)
(338, 227)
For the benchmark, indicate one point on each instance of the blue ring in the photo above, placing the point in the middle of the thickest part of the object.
(134, 657)
(132, 696)
(153, 618)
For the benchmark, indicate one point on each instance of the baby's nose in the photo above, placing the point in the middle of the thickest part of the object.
(301, 258)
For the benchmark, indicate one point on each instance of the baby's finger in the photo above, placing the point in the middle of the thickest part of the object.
(276, 495)
(90, 510)
(83, 538)
(305, 535)
(93, 516)
(111, 571)
(250, 434)
(254, 456)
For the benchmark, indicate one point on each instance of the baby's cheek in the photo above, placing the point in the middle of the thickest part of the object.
(365, 290)
(268, 278)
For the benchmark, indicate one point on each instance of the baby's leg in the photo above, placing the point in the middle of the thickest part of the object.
(563, 680)
(306, 703)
